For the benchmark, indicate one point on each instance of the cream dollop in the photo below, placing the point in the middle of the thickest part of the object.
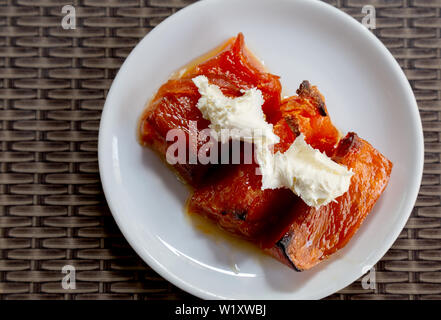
(242, 117)
(310, 174)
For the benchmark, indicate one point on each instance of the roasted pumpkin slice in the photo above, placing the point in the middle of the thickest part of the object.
(234, 200)
(315, 234)
(238, 69)
(174, 105)
(233, 197)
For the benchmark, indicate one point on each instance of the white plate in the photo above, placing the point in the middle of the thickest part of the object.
(365, 90)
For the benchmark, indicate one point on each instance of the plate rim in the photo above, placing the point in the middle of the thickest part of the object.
(194, 290)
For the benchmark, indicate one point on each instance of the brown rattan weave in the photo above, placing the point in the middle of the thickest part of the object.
(53, 83)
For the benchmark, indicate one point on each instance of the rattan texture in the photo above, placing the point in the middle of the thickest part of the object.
(53, 83)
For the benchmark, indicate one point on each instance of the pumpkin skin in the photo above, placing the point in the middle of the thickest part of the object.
(315, 234)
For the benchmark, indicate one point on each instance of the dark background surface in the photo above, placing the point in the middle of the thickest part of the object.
(53, 83)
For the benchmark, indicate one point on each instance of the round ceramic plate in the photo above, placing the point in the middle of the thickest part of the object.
(365, 91)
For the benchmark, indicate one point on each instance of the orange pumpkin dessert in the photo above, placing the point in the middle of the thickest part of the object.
(235, 196)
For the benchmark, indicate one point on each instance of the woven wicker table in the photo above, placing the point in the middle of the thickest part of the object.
(53, 83)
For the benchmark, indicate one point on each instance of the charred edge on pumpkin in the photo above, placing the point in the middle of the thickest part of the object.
(321, 107)
(283, 245)
(351, 141)
(240, 215)
(293, 125)
(306, 90)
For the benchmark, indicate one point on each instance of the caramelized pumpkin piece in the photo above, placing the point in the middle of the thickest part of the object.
(315, 234)
(234, 200)
(174, 108)
(174, 105)
(237, 69)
